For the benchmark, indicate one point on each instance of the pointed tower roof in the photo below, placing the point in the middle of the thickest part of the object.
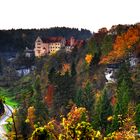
(38, 39)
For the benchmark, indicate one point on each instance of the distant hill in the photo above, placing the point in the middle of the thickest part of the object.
(17, 40)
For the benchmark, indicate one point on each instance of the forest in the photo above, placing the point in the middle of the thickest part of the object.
(67, 96)
(19, 39)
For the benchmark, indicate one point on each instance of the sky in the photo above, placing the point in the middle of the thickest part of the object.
(87, 14)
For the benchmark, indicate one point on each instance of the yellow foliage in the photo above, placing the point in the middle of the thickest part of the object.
(88, 58)
(31, 115)
(109, 118)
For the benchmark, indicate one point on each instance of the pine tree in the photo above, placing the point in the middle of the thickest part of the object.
(123, 98)
(73, 70)
(103, 111)
(115, 123)
(85, 98)
(52, 75)
(41, 110)
(124, 74)
(88, 97)
(64, 92)
(79, 98)
(124, 95)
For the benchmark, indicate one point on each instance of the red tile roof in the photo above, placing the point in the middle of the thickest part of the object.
(53, 39)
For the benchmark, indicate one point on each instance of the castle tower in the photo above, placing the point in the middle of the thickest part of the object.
(72, 41)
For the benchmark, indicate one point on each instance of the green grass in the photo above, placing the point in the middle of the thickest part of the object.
(8, 127)
(10, 102)
(9, 99)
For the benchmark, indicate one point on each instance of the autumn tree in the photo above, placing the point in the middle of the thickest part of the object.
(88, 58)
(41, 133)
(76, 125)
(122, 45)
(31, 116)
(49, 96)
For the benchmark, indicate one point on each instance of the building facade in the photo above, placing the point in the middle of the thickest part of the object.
(53, 44)
(48, 46)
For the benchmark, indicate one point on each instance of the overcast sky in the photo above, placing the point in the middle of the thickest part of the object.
(89, 14)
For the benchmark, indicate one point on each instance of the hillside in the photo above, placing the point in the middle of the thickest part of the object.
(69, 96)
(19, 39)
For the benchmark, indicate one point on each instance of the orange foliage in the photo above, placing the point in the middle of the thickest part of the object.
(122, 43)
(88, 58)
(75, 115)
(65, 68)
(49, 96)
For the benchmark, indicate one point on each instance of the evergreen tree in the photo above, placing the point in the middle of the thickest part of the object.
(92, 46)
(79, 98)
(23, 128)
(94, 62)
(123, 98)
(85, 98)
(107, 44)
(0, 65)
(115, 123)
(88, 97)
(124, 94)
(103, 111)
(52, 75)
(64, 92)
(96, 116)
(41, 109)
(73, 70)
(124, 74)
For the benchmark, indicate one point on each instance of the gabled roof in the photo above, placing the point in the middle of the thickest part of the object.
(52, 39)
(38, 39)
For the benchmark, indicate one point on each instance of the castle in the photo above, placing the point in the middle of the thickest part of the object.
(52, 44)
